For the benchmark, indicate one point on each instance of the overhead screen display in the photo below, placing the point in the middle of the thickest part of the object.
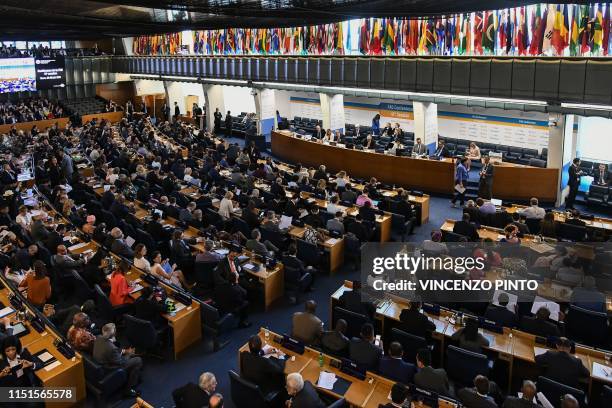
(50, 72)
(17, 75)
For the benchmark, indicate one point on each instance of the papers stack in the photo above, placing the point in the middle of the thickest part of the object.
(327, 380)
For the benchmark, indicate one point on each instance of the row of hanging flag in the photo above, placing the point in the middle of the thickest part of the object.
(159, 44)
(315, 40)
(540, 29)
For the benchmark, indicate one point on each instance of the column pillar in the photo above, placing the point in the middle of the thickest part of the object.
(265, 106)
(426, 123)
(561, 150)
(332, 108)
(213, 97)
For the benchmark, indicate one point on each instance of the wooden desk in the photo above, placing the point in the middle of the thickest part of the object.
(70, 372)
(519, 182)
(186, 324)
(422, 174)
(510, 346)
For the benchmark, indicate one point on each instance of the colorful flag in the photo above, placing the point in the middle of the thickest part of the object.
(574, 36)
(536, 32)
(606, 30)
(364, 41)
(584, 30)
(376, 38)
(489, 31)
(598, 31)
(478, 30)
(560, 30)
(522, 35)
(550, 14)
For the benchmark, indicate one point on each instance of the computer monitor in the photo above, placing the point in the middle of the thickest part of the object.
(496, 202)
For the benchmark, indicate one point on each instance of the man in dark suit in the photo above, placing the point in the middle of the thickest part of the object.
(107, 354)
(485, 183)
(518, 220)
(399, 395)
(441, 150)
(434, 379)
(64, 262)
(306, 326)
(56, 238)
(561, 366)
(419, 148)
(335, 341)
(477, 397)
(602, 175)
(191, 395)
(291, 260)
(367, 212)
(352, 300)
(394, 367)
(155, 228)
(302, 393)
(574, 182)
(267, 373)
(177, 110)
(500, 313)
(232, 298)
(526, 400)
(119, 246)
(108, 197)
(415, 322)
(26, 256)
(540, 325)
(359, 229)
(363, 351)
(466, 228)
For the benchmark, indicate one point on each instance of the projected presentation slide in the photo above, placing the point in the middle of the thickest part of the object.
(50, 72)
(17, 75)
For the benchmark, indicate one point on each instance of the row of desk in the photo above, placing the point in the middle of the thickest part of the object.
(366, 393)
(510, 181)
(69, 372)
(512, 346)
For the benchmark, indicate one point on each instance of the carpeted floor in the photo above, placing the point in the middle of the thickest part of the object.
(160, 378)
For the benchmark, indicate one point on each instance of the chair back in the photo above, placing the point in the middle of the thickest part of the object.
(341, 403)
(587, 325)
(354, 321)
(109, 219)
(146, 239)
(81, 289)
(204, 274)
(308, 252)
(140, 333)
(410, 343)
(571, 232)
(554, 391)
(398, 223)
(242, 226)
(103, 304)
(449, 236)
(534, 225)
(244, 393)
(463, 366)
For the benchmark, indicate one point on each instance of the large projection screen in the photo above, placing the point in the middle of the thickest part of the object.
(17, 75)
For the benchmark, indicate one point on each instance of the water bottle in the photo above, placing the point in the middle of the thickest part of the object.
(321, 360)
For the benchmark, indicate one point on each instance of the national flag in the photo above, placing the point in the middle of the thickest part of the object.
(550, 14)
(376, 39)
(606, 31)
(598, 31)
(560, 33)
(574, 36)
(536, 32)
(504, 20)
(430, 36)
(489, 31)
(478, 30)
(413, 36)
(364, 41)
(457, 34)
(522, 36)
(583, 30)
(339, 40)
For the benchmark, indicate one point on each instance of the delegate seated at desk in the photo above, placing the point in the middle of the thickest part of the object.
(267, 373)
(559, 365)
(302, 393)
(306, 326)
(540, 325)
(394, 367)
(363, 351)
(434, 379)
(413, 321)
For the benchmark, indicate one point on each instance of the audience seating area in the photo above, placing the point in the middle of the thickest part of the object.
(85, 106)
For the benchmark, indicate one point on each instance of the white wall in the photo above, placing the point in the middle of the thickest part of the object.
(177, 91)
(148, 87)
(594, 139)
(237, 99)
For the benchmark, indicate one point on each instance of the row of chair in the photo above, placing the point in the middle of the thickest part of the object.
(599, 195)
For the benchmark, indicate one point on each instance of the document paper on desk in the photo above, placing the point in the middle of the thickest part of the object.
(538, 351)
(285, 222)
(6, 311)
(326, 380)
(53, 365)
(601, 371)
(78, 246)
(553, 307)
